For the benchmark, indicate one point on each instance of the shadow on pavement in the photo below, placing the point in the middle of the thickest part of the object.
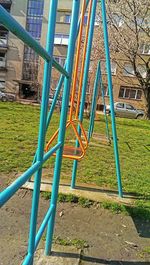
(97, 260)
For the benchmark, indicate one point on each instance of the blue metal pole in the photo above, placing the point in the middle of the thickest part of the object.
(85, 80)
(103, 100)
(43, 225)
(50, 113)
(109, 77)
(42, 128)
(63, 120)
(93, 106)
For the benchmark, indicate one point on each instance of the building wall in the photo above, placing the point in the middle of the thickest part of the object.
(64, 8)
(14, 55)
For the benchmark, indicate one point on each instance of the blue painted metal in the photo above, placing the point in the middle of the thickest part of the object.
(11, 24)
(98, 79)
(41, 158)
(51, 151)
(16, 185)
(94, 103)
(103, 100)
(63, 120)
(19, 182)
(57, 92)
(85, 80)
(28, 259)
(43, 225)
(42, 127)
(109, 77)
(50, 113)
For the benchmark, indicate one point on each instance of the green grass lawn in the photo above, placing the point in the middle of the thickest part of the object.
(18, 142)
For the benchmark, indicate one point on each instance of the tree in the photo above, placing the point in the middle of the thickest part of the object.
(129, 34)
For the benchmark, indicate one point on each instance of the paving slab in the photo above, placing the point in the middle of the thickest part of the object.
(87, 191)
(61, 255)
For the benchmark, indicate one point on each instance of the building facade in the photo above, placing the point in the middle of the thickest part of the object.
(21, 69)
(19, 64)
(11, 48)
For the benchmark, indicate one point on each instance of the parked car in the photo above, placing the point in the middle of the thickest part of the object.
(126, 110)
(7, 97)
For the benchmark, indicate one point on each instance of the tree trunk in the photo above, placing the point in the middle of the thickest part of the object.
(147, 97)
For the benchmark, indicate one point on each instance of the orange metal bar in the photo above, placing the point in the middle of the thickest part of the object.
(54, 136)
(83, 61)
(78, 137)
(84, 134)
(77, 60)
(82, 147)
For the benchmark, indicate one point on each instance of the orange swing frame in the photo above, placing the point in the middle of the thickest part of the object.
(76, 153)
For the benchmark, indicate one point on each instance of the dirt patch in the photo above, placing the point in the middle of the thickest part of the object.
(112, 238)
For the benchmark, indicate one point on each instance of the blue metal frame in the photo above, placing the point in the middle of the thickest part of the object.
(47, 54)
(94, 103)
(63, 120)
(85, 81)
(104, 104)
(109, 77)
(98, 81)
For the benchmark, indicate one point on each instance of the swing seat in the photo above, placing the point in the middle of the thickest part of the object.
(76, 153)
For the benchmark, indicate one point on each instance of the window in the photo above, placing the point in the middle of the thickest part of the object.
(67, 19)
(34, 17)
(34, 27)
(128, 70)
(2, 60)
(97, 20)
(30, 54)
(2, 84)
(120, 105)
(145, 48)
(85, 19)
(60, 60)
(61, 39)
(3, 39)
(106, 91)
(6, 4)
(113, 67)
(117, 20)
(129, 107)
(130, 93)
(142, 69)
(35, 8)
(139, 94)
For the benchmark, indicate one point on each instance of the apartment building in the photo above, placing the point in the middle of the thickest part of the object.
(18, 63)
(130, 51)
(125, 85)
(21, 69)
(11, 48)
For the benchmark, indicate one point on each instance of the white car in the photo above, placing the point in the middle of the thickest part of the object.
(7, 97)
(126, 110)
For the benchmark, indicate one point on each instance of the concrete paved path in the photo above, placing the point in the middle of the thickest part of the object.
(87, 191)
(60, 256)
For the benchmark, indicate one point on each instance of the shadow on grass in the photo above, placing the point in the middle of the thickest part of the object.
(97, 260)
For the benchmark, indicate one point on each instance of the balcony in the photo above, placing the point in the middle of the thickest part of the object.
(3, 43)
(5, 2)
(61, 39)
(2, 61)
